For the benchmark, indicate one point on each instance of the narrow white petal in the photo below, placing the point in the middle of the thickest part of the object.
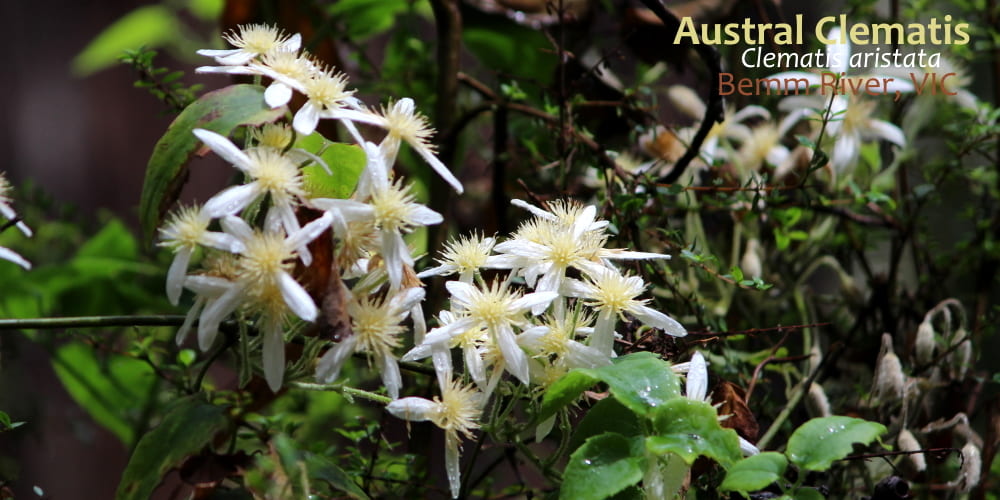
(175, 275)
(474, 365)
(438, 167)
(603, 338)
(216, 52)
(452, 464)
(887, 131)
(12, 256)
(697, 378)
(838, 54)
(461, 292)
(412, 409)
(750, 112)
(209, 286)
(533, 301)
(537, 212)
(273, 355)
(223, 147)
(418, 352)
(748, 448)
(582, 356)
(192, 314)
(296, 297)
(391, 378)
(424, 216)
(441, 358)
(328, 367)
(845, 152)
(222, 241)
(392, 248)
(514, 357)
(407, 299)
(310, 231)
(293, 44)
(236, 59)
(214, 313)
(231, 200)
(237, 227)
(656, 319)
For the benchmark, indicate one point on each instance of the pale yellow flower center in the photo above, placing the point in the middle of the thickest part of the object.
(256, 38)
(377, 330)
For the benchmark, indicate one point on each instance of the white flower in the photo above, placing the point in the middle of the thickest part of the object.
(389, 206)
(376, 328)
(474, 341)
(850, 118)
(498, 310)
(612, 294)
(465, 256)
(186, 230)
(403, 123)
(252, 40)
(456, 412)
(555, 346)
(730, 128)
(264, 285)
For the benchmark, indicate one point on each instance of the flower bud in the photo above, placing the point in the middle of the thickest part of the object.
(907, 442)
(817, 403)
(889, 378)
(925, 343)
(750, 263)
(972, 468)
(961, 357)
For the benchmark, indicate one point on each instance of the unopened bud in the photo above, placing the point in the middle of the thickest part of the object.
(750, 263)
(817, 403)
(961, 356)
(925, 343)
(889, 378)
(972, 468)
(907, 442)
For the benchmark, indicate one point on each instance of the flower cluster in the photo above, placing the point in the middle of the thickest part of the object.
(552, 300)
(8, 212)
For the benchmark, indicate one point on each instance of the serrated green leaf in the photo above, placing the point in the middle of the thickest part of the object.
(109, 390)
(149, 26)
(185, 430)
(603, 466)
(755, 473)
(819, 442)
(691, 429)
(640, 381)
(220, 111)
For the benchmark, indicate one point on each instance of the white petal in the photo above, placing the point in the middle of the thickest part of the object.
(656, 319)
(514, 357)
(223, 147)
(749, 112)
(273, 355)
(231, 200)
(310, 231)
(697, 378)
(277, 95)
(438, 167)
(474, 365)
(407, 299)
(214, 313)
(845, 152)
(412, 409)
(306, 119)
(420, 351)
(293, 44)
(887, 131)
(838, 54)
(537, 212)
(424, 216)
(12, 256)
(582, 356)
(441, 358)
(391, 378)
(533, 301)
(216, 52)
(237, 227)
(461, 292)
(452, 464)
(176, 273)
(236, 59)
(328, 367)
(222, 241)
(748, 448)
(296, 297)
(208, 286)
(603, 338)
(227, 70)
(192, 315)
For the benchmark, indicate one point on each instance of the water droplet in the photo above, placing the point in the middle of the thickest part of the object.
(587, 461)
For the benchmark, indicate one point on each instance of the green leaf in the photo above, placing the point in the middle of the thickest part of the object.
(219, 111)
(511, 49)
(366, 18)
(346, 162)
(110, 389)
(691, 429)
(807, 494)
(755, 473)
(324, 469)
(821, 441)
(640, 381)
(207, 10)
(150, 26)
(185, 430)
(607, 415)
(603, 466)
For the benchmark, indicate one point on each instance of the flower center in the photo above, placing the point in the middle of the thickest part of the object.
(377, 330)
(393, 208)
(275, 173)
(256, 38)
(328, 89)
(266, 256)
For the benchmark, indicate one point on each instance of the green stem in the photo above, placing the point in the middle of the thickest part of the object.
(348, 391)
(91, 322)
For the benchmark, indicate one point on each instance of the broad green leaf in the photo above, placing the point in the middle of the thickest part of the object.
(691, 429)
(185, 430)
(807, 494)
(208, 10)
(149, 26)
(607, 415)
(318, 467)
(821, 441)
(755, 473)
(219, 111)
(640, 381)
(603, 466)
(109, 390)
(346, 162)
(511, 49)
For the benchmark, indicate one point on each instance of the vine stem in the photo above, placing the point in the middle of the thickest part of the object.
(347, 391)
(91, 322)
